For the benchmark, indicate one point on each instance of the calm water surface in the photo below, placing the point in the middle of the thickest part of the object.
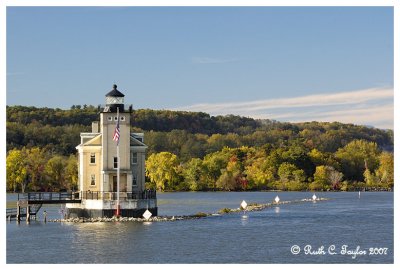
(262, 237)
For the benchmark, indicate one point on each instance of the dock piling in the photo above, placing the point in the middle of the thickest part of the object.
(18, 213)
(28, 213)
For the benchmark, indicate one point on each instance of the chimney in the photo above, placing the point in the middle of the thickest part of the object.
(95, 127)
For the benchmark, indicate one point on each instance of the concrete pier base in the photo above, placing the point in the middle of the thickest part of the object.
(95, 213)
(108, 208)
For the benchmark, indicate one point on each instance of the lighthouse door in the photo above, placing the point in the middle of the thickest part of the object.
(114, 183)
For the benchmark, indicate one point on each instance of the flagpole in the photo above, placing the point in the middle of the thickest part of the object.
(118, 173)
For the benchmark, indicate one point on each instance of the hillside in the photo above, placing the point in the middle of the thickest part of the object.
(223, 152)
(187, 134)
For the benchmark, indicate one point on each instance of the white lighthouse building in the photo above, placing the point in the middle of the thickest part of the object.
(109, 185)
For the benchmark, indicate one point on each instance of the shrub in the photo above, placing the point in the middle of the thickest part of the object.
(224, 210)
(200, 214)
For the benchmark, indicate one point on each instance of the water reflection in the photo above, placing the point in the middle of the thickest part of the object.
(245, 220)
(101, 233)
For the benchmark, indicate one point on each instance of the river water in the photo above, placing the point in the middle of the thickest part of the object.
(316, 231)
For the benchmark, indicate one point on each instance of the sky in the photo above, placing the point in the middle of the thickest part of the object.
(290, 64)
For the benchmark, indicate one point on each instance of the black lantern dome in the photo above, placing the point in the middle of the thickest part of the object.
(114, 100)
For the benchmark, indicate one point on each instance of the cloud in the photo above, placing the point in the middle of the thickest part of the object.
(372, 106)
(208, 60)
(378, 116)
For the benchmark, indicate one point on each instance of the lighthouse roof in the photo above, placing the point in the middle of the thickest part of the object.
(115, 92)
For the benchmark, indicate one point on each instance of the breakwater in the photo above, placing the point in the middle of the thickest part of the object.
(251, 207)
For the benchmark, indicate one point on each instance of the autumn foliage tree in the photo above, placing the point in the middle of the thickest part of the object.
(36, 170)
(161, 169)
(357, 156)
(16, 170)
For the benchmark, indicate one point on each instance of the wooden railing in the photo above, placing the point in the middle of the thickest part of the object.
(48, 196)
(87, 195)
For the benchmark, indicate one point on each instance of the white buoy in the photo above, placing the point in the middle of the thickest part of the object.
(314, 197)
(243, 204)
(147, 214)
(359, 194)
(277, 199)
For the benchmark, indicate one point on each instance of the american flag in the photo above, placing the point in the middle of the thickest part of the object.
(116, 133)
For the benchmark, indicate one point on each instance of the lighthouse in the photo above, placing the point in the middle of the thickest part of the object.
(112, 166)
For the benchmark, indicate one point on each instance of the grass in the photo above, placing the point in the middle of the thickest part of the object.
(200, 214)
(224, 210)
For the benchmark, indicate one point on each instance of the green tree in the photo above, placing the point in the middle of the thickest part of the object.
(71, 173)
(16, 170)
(193, 147)
(357, 156)
(156, 141)
(259, 173)
(325, 178)
(370, 178)
(213, 165)
(321, 181)
(55, 172)
(385, 171)
(36, 161)
(297, 154)
(161, 168)
(231, 177)
(317, 157)
(290, 177)
(217, 142)
(193, 174)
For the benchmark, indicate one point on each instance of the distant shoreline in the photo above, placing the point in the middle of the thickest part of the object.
(178, 191)
(355, 190)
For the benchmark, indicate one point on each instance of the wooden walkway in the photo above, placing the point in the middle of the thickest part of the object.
(49, 197)
(11, 213)
(29, 204)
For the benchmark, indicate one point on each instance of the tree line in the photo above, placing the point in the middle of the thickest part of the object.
(186, 134)
(36, 169)
(144, 119)
(194, 138)
(293, 167)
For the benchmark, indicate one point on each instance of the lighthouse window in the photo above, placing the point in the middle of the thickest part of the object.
(122, 118)
(134, 158)
(93, 180)
(134, 180)
(115, 118)
(115, 162)
(92, 158)
(109, 118)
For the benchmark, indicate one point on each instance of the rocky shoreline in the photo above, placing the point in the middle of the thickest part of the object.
(250, 208)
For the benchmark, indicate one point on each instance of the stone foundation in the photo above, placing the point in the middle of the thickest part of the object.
(95, 213)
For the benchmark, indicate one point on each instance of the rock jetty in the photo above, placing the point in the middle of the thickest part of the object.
(250, 208)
